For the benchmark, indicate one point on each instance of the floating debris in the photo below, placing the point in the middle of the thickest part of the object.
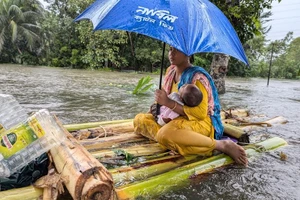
(283, 156)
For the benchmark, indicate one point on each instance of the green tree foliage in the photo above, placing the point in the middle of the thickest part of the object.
(245, 16)
(30, 34)
(258, 56)
(203, 60)
(253, 28)
(102, 48)
(293, 53)
(149, 53)
(62, 47)
(285, 62)
(139, 52)
(20, 30)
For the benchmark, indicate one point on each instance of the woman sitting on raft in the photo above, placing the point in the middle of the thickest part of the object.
(198, 129)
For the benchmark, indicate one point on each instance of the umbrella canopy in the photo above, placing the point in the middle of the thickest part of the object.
(191, 26)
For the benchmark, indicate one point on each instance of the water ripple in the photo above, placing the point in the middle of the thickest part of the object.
(78, 96)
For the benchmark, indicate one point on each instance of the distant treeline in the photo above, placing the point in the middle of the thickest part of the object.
(31, 34)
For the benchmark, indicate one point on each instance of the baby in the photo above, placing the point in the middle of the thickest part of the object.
(188, 94)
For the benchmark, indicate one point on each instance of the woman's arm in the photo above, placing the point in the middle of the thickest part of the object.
(162, 99)
(193, 113)
(176, 107)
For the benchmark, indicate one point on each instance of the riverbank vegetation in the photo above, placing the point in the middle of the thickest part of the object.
(33, 34)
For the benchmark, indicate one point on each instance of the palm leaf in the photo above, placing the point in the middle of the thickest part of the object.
(147, 79)
(14, 29)
(30, 26)
(15, 12)
(18, 23)
(143, 85)
(30, 36)
(2, 39)
(31, 14)
(146, 88)
(139, 85)
(3, 20)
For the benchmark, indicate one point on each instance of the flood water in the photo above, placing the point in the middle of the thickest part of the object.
(78, 96)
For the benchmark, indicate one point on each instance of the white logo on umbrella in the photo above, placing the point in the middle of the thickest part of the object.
(163, 15)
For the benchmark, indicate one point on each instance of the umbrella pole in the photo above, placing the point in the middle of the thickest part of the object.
(161, 74)
(162, 65)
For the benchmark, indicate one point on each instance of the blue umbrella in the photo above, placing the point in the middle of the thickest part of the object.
(191, 26)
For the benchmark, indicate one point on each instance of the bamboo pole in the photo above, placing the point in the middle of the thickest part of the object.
(74, 127)
(166, 158)
(128, 122)
(259, 125)
(148, 169)
(239, 131)
(104, 131)
(142, 150)
(101, 143)
(84, 176)
(25, 193)
(233, 131)
(146, 150)
(179, 177)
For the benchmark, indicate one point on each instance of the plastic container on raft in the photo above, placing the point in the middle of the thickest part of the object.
(11, 112)
(27, 140)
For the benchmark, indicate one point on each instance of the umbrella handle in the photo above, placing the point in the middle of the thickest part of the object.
(160, 77)
(162, 65)
(157, 111)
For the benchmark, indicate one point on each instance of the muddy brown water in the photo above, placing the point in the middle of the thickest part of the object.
(78, 96)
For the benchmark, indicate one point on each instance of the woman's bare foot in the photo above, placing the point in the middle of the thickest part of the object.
(236, 152)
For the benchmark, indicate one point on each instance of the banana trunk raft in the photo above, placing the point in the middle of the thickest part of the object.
(106, 160)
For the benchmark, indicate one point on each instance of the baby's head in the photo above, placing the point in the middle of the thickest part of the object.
(190, 94)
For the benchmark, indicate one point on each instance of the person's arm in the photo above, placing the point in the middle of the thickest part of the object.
(153, 107)
(162, 98)
(176, 107)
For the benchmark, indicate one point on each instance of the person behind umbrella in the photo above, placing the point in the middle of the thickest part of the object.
(188, 94)
(198, 129)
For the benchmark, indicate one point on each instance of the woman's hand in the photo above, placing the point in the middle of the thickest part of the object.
(162, 98)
